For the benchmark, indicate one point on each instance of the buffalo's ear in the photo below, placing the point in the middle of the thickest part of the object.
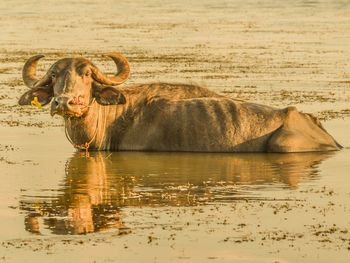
(44, 95)
(108, 95)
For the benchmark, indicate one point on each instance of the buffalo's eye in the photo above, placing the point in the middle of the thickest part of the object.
(53, 75)
(87, 73)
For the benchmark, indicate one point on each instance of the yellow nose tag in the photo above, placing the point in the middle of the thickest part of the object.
(36, 103)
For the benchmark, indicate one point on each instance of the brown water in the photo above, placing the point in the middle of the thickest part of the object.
(60, 205)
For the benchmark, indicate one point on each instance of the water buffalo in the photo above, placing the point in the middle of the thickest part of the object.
(99, 115)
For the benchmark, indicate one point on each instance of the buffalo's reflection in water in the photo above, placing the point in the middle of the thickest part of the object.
(96, 188)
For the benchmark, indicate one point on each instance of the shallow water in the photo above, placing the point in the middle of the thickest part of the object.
(154, 206)
(57, 204)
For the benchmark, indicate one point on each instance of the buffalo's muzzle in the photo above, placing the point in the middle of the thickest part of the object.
(62, 105)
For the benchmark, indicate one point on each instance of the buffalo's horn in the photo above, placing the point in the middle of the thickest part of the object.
(29, 73)
(122, 74)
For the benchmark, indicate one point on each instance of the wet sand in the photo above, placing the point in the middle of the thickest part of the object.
(59, 205)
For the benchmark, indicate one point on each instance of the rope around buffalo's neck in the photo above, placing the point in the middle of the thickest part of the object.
(85, 146)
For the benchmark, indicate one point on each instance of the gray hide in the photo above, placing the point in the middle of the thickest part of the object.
(100, 115)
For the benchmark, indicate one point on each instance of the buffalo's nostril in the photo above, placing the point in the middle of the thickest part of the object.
(63, 102)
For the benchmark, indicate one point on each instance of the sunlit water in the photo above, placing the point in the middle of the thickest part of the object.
(95, 189)
(194, 207)
(60, 205)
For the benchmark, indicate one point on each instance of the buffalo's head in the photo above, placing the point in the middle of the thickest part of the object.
(73, 84)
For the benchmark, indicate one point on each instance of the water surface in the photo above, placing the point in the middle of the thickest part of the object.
(57, 204)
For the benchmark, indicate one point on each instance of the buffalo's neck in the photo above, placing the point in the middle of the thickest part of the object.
(89, 130)
(95, 128)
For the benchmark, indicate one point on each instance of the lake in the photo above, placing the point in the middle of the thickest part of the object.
(61, 205)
